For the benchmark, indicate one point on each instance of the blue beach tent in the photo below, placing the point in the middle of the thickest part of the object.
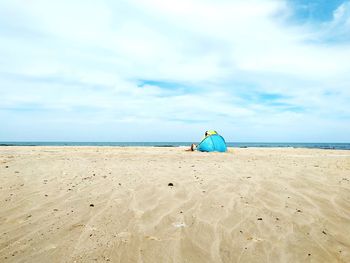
(212, 142)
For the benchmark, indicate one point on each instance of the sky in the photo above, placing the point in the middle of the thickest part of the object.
(159, 70)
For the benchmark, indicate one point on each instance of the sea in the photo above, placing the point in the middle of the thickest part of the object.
(336, 146)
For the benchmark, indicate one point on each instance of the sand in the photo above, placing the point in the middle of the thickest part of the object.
(100, 204)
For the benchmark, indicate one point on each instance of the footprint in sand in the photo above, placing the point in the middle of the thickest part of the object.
(179, 224)
(153, 238)
(255, 239)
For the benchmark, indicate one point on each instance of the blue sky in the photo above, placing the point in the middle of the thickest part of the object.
(157, 70)
(314, 11)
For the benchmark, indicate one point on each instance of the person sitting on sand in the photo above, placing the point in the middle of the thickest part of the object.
(194, 146)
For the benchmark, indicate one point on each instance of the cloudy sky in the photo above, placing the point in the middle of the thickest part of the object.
(158, 70)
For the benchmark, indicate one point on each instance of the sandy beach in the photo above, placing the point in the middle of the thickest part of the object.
(149, 204)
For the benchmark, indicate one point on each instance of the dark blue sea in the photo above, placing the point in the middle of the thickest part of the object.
(337, 146)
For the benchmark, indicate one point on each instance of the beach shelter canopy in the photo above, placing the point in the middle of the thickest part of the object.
(213, 142)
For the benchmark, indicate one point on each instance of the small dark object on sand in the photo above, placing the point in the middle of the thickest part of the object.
(170, 184)
(324, 232)
(92, 205)
(6, 166)
(259, 218)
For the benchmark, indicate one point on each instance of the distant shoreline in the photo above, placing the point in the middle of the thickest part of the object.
(329, 146)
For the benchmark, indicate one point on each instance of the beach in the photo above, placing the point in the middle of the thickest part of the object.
(163, 204)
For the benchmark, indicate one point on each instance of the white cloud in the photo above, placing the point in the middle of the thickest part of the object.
(83, 61)
(342, 15)
(339, 28)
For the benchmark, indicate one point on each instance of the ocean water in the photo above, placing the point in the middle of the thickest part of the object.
(337, 146)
